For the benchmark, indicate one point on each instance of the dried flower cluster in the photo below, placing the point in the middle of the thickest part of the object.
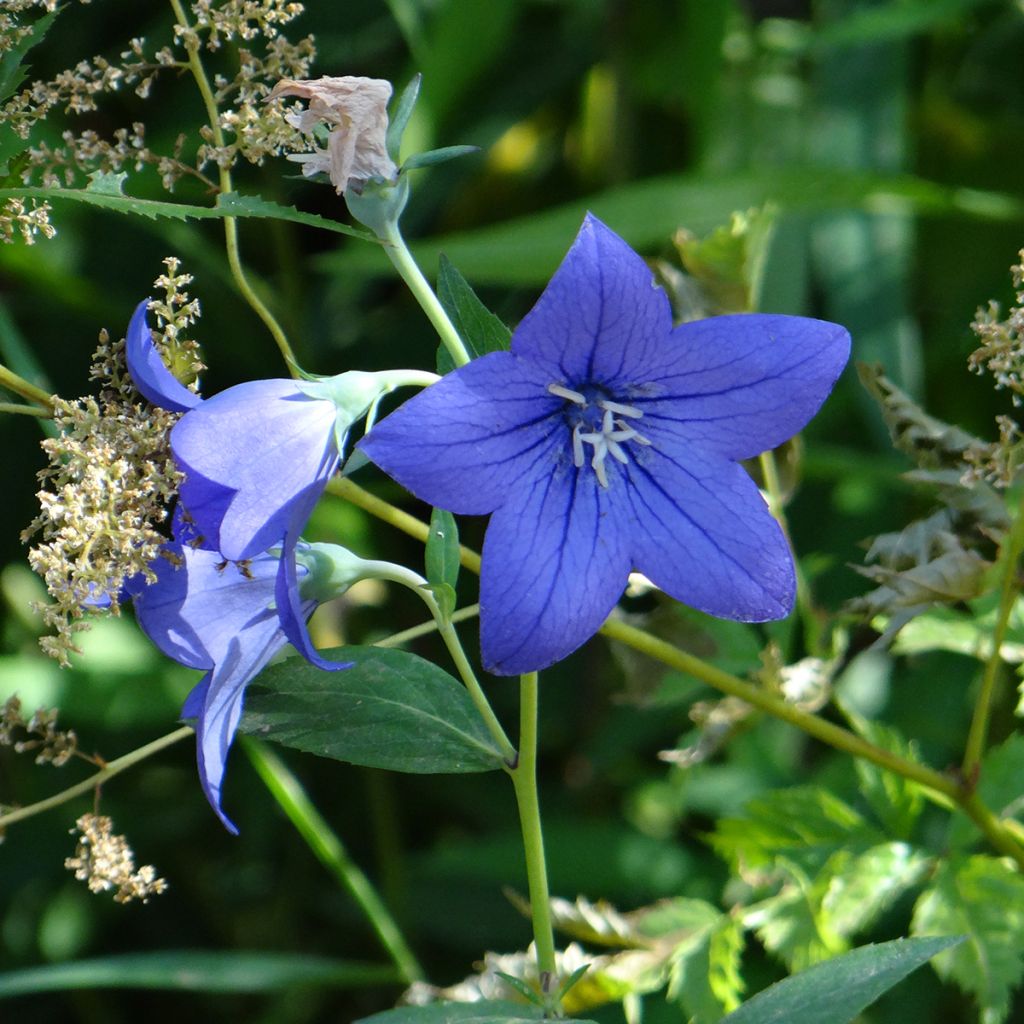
(105, 861)
(16, 218)
(39, 734)
(110, 479)
(248, 126)
(1001, 352)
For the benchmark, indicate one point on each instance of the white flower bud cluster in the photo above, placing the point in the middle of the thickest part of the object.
(106, 862)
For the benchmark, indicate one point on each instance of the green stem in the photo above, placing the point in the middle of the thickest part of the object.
(224, 175)
(408, 269)
(425, 628)
(416, 583)
(26, 410)
(94, 781)
(835, 736)
(329, 850)
(978, 733)
(524, 780)
(13, 382)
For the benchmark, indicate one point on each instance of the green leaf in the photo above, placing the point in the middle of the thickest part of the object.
(391, 710)
(486, 1011)
(399, 118)
(704, 977)
(862, 886)
(481, 331)
(442, 550)
(197, 971)
(803, 825)
(982, 898)
(437, 156)
(836, 991)
(1000, 787)
(230, 204)
(793, 927)
(897, 802)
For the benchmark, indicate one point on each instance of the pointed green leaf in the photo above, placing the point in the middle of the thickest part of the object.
(442, 551)
(982, 898)
(197, 971)
(437, 156)
(481, 331)
(835, 991)
(399, 118)
(391, 710)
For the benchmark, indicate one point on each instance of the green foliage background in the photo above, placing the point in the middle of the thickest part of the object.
(888, 134)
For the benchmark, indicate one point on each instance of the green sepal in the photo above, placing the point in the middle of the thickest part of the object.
(437, 156)
(399, 121)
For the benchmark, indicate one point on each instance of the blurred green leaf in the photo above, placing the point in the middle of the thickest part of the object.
(527, 250)
(481, 331)
(1000, 787)
(12, 74)
(390, 710)
(836, 991)
(883, 22)
(482, 1012)
(982, 898)
(197, 971)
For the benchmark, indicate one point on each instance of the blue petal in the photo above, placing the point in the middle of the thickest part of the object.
(601, 316)
(245, 657)
(701, 531)
(555, 561)
(739, 385)
(199, 603)
(193, 706)
(467, 441)
(267, 444)
(292, 611)
(150, 374)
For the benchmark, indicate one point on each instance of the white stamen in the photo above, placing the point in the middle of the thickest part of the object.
(577, 447)
(622, 410)
(615, 449)
(568, 394)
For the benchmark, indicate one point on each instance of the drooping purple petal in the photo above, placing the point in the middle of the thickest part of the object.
(601, 317)
(293, 613)
(553, 567)
(700, 530)
(246, 655)
(491, 424)
(193, 706)
(267, 444)
(740, 385)
(150, 374)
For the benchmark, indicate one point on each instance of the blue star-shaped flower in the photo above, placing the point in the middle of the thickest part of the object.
(606, 440)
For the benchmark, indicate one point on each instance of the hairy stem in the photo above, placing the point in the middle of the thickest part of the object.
(95, 781)
(195, 65)
(408, 269)
(978, 732)
(524, 780)
(330, 851)
(835, 736)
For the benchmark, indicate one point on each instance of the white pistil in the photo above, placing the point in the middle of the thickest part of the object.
(561, 391)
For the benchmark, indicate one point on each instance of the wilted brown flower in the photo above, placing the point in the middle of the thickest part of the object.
(355, 111)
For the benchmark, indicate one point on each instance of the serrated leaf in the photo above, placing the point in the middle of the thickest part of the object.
(947, 629)
(12, 74)
(229, 204)
(836, 991)
(196, 971)
(792, 926)
(442, 549)
(107, 183)
(391, 710)
(982, 898)
(704, 977)
(861, 887)
(896, 802)
(802, 825)
(481, 331)
(598, 924)
(1000, 787)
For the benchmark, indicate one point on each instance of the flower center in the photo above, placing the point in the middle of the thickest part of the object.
(602, 423)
